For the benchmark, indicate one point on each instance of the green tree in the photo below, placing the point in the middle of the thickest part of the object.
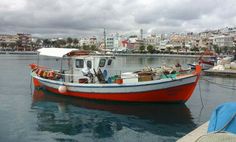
(195, 49)
(150, 48)
(38, 42)
(93, 47)
(217, 49)
(3, 44)
(85, 47)
(142, 48)
(12, 45)
(75, 41)
(46, 43)
(18, 44)
(168, 49)
(225, 49)
(69, 40)
(61, 43)
(177, 48)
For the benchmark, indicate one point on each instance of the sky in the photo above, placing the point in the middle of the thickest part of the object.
(89, 17)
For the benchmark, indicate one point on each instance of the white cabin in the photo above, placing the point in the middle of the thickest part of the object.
(87, 67)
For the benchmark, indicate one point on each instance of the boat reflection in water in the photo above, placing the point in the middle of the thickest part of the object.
(101, 119)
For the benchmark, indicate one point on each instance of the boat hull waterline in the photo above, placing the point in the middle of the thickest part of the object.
(167, 90)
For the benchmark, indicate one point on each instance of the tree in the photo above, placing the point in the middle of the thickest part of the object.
(3, 44)
(217, 49)
(142, 48)
(75, 41)
(195, 49)
(226, 49)
(18, 44)
(85, 47)
(168, 49)
(61, 43)
(38, 42)
(93, 47)
(46, 43)
(12, 45)
(150, 48)
(69, 40)
(177, 48)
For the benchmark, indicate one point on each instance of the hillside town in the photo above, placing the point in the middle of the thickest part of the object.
(221, 41)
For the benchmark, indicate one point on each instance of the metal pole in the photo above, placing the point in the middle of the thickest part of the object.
(63, 77)
(38, 59)
(105, 40)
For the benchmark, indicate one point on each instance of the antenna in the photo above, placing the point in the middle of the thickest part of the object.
(141, 34)
(105, 39)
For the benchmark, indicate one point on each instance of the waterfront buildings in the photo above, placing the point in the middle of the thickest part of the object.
(224, 38)
(20, 41)
(224, 41)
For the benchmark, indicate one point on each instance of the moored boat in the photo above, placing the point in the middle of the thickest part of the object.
(92, 77)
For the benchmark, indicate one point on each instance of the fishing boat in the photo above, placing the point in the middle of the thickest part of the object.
(93, 77)
(205, 63)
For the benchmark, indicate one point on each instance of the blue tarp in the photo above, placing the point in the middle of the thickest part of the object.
(223, 118)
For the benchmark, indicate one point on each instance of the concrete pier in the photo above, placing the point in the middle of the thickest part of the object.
(195, 134)
(226, 72)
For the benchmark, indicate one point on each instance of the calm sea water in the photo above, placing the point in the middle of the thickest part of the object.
(35, 115)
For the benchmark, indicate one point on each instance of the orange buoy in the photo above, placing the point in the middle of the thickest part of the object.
(33, 66)
(119, 81)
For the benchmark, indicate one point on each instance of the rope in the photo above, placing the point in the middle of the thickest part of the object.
(200, 91)
(220, 85)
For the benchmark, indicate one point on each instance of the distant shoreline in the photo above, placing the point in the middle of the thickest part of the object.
(162, 55)
(18, 53)
(120, 54)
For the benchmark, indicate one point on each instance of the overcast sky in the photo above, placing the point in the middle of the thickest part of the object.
(89, 17)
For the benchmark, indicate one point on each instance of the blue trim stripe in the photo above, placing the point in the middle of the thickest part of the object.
(115, 86)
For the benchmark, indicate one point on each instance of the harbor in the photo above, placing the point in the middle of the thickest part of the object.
(48, 114)
(117, 71)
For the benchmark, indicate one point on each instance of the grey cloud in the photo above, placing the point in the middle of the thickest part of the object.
(62, 17)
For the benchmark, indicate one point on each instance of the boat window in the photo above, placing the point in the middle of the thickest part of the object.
(89, 64)
(109, 62)
(102, 62)
(79, 63)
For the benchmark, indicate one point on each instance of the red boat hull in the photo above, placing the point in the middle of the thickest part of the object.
(178, 93)
(174, 94)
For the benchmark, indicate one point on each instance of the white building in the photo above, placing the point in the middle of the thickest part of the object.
(84, 41)
(153, 40)
(113, 41)
(133, 39)
(223, 41)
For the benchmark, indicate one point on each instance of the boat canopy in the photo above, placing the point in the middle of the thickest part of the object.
(55, 52)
